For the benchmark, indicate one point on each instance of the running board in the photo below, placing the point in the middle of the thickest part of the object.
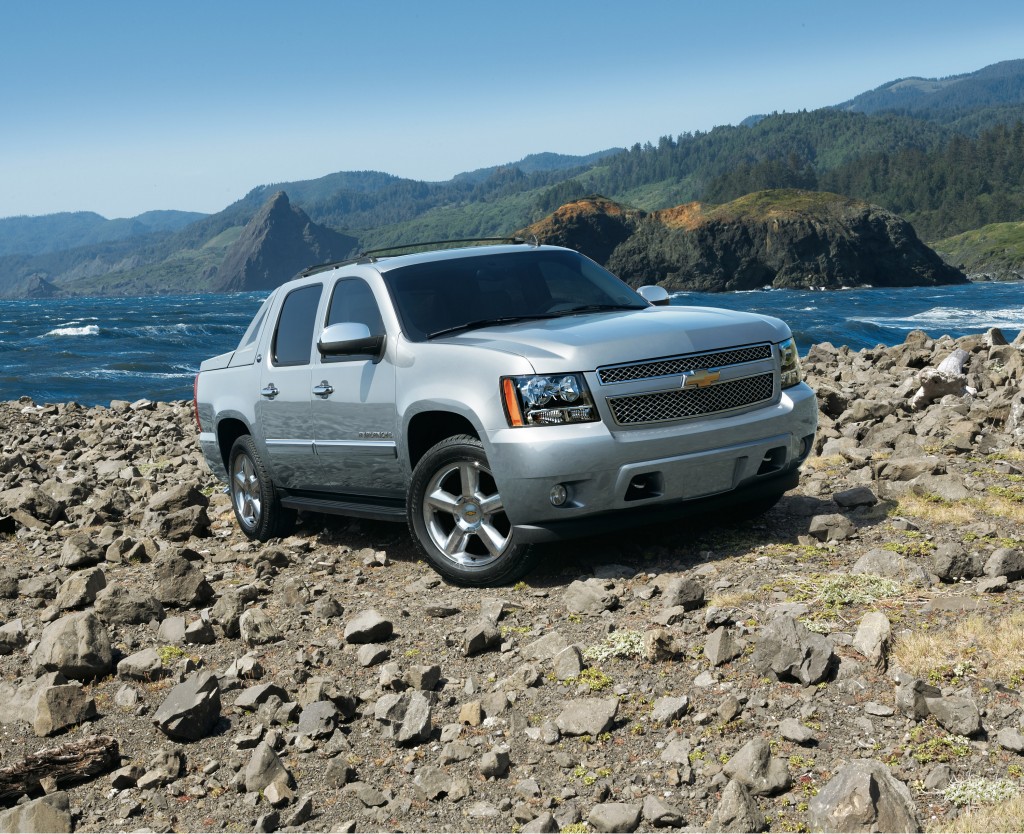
(341, 506)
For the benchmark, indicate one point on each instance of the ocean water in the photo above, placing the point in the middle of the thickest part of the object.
(94, 350)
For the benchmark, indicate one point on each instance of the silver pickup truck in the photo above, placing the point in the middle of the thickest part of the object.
(497, 396)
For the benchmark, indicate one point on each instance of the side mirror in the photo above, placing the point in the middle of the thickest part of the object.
(658, 296)
(349, 338)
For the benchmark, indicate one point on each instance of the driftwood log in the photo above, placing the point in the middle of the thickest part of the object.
(948, 378)
(68, 764)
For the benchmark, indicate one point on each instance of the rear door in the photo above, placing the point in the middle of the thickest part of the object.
(283, 411)
(354, 414)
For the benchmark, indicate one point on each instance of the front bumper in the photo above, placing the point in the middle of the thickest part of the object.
(639, 473)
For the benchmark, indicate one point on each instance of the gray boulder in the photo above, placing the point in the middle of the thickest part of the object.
(667, 709)
(587, 716)
(1006, 562)
(480, 637)
(80, 589)
(684, 593)
(318, 719)
(191, 709)
(792, 652)
(180, 584)
(737, 811)
(864, 796)
(872, 638)
(257, 628)
(660, 814)
(54, 709)
(117, 604)
(145, 665)
(912, 698)
(755, 767)
(50, 813)
(590, 597)
(12, 636)
(1010, 738)
(264, 769)
(832, 527)
(432, 782)
(722, 646)
(405, 717)
(615, 816)
(546, 647)
(80, 551)
(368, 627)
(76, 645)
(956, 714)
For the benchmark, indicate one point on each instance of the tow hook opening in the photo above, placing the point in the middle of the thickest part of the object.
(647, 485)
(773, 461)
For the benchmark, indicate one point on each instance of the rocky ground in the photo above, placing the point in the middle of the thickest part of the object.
(850, 661)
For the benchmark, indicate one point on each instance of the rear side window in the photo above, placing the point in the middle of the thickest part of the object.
(293, 339)
(255, 326)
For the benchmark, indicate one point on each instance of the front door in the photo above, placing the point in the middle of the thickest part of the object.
(356, 422)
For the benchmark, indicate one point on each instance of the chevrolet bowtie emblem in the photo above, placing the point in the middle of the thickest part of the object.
(700, 379)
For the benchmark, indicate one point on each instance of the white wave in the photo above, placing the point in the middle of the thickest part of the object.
(86, 330)
(955, 317)
(119, 373)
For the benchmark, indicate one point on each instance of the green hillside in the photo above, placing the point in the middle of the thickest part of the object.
(996, 250)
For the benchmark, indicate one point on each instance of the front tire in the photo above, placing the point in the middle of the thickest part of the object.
(458, 519)
(254, 499)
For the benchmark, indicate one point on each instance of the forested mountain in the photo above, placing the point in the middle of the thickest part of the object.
(946, 99)
(946, 154)
(53, 232)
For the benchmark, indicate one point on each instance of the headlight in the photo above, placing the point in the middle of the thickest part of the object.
(547, 400)
(790, 364)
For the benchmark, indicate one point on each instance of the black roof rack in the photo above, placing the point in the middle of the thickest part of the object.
(313, 270)
(368, 256)
(373, 252)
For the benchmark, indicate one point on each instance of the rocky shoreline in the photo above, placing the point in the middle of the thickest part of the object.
(851, 661)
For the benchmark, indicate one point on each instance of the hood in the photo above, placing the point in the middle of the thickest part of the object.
(585, 342)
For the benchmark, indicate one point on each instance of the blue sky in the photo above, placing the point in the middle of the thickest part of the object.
(123, 107)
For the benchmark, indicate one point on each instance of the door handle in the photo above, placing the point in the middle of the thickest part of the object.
(324, 389)
(270, 391)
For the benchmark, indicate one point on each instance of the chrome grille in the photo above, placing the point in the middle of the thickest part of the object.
(680, 364)
(680, 403)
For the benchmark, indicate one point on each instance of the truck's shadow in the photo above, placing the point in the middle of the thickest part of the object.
(660, 548)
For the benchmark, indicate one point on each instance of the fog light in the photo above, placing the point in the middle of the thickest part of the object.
(559, 494)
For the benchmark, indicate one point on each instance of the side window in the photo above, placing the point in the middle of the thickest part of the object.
(293, 339)
(353, 301)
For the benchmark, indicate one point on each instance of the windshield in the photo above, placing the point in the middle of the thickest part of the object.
(442, 297)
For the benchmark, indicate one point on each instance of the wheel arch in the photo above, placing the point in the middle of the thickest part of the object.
(228, 431)
(428, 428)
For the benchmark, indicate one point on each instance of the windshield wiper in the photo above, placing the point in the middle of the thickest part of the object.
(596, 308)
(472, 325)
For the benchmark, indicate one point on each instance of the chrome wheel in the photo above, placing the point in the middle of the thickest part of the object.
(245, 489)
(464, 515)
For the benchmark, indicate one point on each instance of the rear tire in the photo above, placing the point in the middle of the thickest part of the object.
(458, 520)
(254, 498)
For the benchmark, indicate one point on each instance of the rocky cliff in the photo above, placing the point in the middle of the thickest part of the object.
(278, 242)
(787, 238)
